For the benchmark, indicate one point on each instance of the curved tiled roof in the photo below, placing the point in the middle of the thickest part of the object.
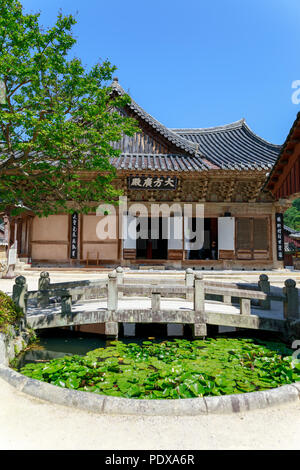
(289, 229)
(283, 154)
(171, 136)
(233, 146)
(158, 162)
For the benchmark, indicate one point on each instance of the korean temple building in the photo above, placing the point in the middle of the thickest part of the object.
(228, 169)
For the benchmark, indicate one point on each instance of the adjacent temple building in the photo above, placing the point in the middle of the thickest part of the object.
(225, 168)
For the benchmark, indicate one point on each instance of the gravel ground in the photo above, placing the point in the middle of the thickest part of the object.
(30, 424)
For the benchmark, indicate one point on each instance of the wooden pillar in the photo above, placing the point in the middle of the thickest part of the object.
(29, 237)
(10, 227)
(16, 233)
(22, 244)
(7, 229)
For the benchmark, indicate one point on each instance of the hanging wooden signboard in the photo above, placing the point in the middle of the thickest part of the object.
(279, 236)
(152, 182)
(74, 235)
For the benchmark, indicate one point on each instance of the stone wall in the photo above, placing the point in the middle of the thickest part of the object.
(13, 342)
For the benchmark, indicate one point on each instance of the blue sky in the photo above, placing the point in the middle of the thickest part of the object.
(195, 63)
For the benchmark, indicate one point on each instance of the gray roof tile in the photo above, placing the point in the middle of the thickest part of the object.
(233, 146)
(158, 162)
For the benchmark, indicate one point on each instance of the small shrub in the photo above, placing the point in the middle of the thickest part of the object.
(9, 312)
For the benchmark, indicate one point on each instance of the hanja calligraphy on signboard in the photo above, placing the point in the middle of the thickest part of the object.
(152, 182)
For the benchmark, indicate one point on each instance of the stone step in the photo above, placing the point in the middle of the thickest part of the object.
(20, 265)
(152, 268)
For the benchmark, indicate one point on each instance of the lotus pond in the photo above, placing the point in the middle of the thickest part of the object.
(173, 369)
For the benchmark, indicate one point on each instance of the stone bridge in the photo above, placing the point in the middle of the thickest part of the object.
(194, 301)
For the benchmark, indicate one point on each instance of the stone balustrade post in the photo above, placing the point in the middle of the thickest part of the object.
(120, 279)
(245, 306)
(43, 292)
(112, 291)
(200, 328)
(155, 301)
(44, 281)
(189, 282)
(19, 295)
(264, 286)
(227, 299)
(112, 327)
(66, 303)
(199, 296)
(129, 328)
(291, 301)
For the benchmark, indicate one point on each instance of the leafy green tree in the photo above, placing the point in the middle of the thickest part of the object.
(58, 121)
(296, 204)
(292, 215)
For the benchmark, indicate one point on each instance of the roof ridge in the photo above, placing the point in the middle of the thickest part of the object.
(140, 154)
(191, 130)
(229, 146)
(172, 136)
(231, 126)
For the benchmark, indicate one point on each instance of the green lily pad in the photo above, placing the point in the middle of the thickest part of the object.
(173, 369)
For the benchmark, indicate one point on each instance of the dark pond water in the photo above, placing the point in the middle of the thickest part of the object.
(56, 343)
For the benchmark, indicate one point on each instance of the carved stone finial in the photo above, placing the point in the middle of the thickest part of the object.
(44, 281)
(290, 283)
(43, 294)
(19, 295)
(199, 276)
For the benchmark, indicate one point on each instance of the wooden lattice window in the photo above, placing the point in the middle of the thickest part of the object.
(244, 238)
(260, 234)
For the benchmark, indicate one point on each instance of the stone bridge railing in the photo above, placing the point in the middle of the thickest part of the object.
(193, 288)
